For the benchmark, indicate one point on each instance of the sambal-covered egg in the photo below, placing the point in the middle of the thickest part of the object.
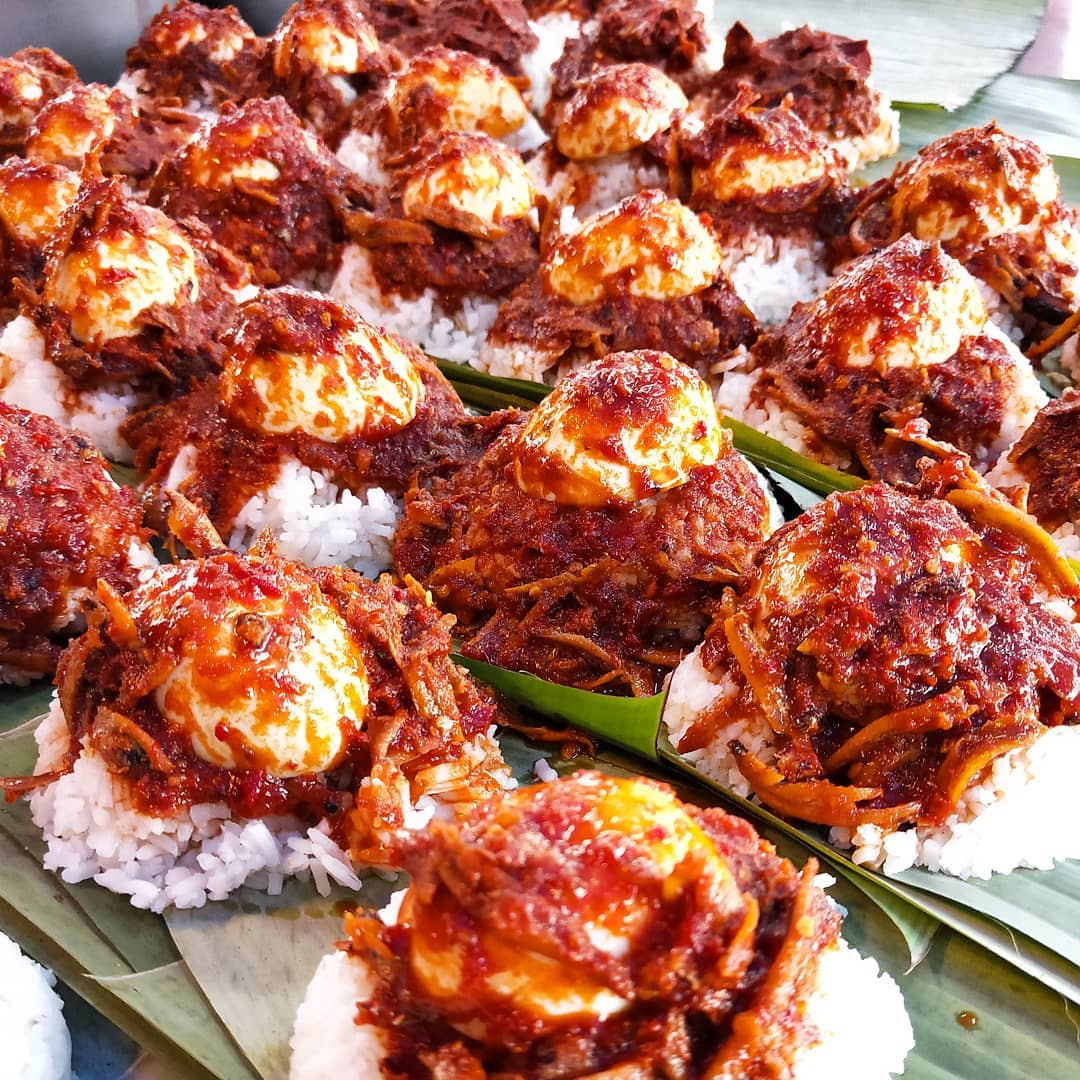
(748, 155)
(972, 186)
(197, 54)
(113, 274)
(648, 245)
(443, 89)
(909, 306)
(263, 672)
(352, 380)
(268, 188)
(600, 925)
(327, 35)
(461, 957)
(617, 108)
(28, 81)
(617, 431)
(76, 122)
(323, 55)
(33, 195)
(469, 183)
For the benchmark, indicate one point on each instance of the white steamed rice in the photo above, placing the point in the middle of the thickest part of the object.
(773, 274)
(33, 1032)
(92, 832)
(319, 524)
(422, 321)
(30, 381)
(1019, 813)
(857, 1008)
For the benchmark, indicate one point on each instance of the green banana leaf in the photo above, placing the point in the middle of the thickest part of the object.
(278, 942)
(922, 51)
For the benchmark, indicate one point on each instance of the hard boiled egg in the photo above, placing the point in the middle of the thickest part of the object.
(619, 430)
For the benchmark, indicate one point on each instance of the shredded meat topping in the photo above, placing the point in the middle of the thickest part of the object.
(1048, 456)
(497, 30)
(823, 75)
(267, 189)
(605, 599)
(715, 976)
(233, 462)
(172, 344)
(896, 645)
(63, 525)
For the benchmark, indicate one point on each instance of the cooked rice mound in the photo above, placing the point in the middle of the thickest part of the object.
(37, 1045)
(64, 525)
(316, 428)
(585, 544)
(235, 720)
(903, 670)
(646, 273)
(900, 335)
(571, 929)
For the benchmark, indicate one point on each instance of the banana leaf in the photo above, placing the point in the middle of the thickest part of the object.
(922, 51)
(277, 942)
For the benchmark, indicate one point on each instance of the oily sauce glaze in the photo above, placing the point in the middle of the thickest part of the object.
(33, 194)
(669, 34)
(754, 168)
(323, 58)
(723, 940)
(497, 30)
(600, 597)
(92, 120)
(236, 459)
(63, 525)
(897, 647)
(164, 344)
(267, 189)
(1047, 456)
(420, 708)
